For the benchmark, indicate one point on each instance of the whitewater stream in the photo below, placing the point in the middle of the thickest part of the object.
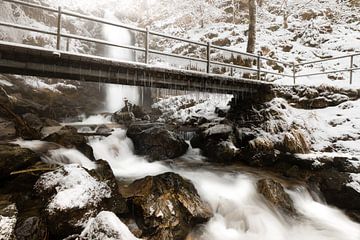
(240, 212)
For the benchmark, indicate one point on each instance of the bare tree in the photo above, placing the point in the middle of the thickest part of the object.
(252, 27)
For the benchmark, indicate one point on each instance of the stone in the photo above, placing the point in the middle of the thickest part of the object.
(106, 225)
(14, 158)
(275, 194)
(72, 195)
(69, 138)
(123, 117)
(33, 121)
(156, 141)
(31, 228)
(7, 129)
(166, 206)
(8, 218)
(295, 141)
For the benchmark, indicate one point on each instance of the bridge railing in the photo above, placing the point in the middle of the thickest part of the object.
(256, 70)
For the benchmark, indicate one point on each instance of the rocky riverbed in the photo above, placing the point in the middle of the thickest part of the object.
(187, 169)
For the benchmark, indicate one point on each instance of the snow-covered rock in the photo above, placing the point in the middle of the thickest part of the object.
(106, 226)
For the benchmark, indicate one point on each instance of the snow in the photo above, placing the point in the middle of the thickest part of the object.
(5, 83)
(218, 129)
(182, 108)
(7, 223)
(75, 188)
(107, 226)
(355, 183)
(41, 84)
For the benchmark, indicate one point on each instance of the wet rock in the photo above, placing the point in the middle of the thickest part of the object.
(106, 225)
(156, 141)
(295, 141)
(7, 129)
(103, 130)
(123, 117)
(340, 189)
(167, 206)
(31, 228)
(33, 121)
(71, 196)
(275, 194)
(13, 158)
(217, 143)
(8, 218)
(69, 138)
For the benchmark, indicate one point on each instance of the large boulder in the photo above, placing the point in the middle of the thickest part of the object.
(275, 194)
(33, 121)
(71, 196)
(106, 226)
(156, 141)
(69, 138)
(340, 189)
(123, 117)
(166, 207)
(13, 158)
(8, 218)
(217, 142)
(31, 228)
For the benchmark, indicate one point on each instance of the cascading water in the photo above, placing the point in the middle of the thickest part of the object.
(240, 212)
(116, 93)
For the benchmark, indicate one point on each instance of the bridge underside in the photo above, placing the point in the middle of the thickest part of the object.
(35, 61)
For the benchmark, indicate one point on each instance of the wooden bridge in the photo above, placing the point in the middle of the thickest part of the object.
(61, 63)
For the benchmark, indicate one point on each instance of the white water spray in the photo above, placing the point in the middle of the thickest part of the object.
(116, 93)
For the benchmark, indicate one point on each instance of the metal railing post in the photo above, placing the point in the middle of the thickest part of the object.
(208, 52)
(351, 67)
(58, 36)
(294, 72)
(258, 67)
(68, 44)
(147, 36)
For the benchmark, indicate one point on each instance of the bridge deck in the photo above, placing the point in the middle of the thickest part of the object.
(36, 61)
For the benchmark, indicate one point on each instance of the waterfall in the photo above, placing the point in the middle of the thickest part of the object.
(116, 93)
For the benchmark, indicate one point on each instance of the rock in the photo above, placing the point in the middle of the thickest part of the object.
(167, 206)
(69, 138)
(71, 196)
(7, 129)
(275, 194)
(105, 226)
(220, 112)
(13, 158)
(340, 189)
(33, 121)
(217, 143)
(123, 117)
(222, 42)
(103, 130)
(138, 111)
(31, 228)
(8, 218)
(156, 141)
(295, 141)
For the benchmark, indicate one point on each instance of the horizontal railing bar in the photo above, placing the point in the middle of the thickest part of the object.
(100, 20)
(328, 59)
(233, 66)
(104, 42)
(32, 5)
(21, 27)
(177, 56)
(275, 73)
(177, 38)
(234, 51)
(327, 72)
(275, 60)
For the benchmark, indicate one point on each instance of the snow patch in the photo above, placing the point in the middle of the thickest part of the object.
(107, 226)
(75, 188)
(355, 183)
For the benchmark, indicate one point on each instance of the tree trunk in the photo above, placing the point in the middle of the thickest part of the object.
(252, 27)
